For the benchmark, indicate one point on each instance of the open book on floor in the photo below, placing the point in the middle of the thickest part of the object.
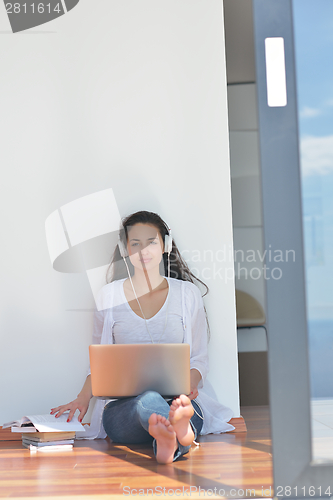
(45, 423)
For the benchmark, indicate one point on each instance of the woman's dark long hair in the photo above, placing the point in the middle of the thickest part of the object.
(178, 267)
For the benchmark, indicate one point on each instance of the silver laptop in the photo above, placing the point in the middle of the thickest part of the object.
(124, 370)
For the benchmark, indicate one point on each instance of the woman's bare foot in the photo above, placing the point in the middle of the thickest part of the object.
(181, 410)
(166, 442)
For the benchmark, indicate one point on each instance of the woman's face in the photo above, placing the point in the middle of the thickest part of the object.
(145, 246)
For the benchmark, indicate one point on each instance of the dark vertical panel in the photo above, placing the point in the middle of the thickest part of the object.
(281, 192)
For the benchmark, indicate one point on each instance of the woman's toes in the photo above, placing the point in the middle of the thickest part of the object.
(152, 419)
(185, 400)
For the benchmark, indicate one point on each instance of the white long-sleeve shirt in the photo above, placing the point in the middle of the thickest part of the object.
(183, 318)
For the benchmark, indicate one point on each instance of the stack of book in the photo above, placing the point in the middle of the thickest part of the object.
(48, 441)
(46, 432)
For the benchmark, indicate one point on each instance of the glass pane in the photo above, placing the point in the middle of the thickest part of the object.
(313, 26)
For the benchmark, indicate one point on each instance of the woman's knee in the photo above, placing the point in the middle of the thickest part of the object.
(151, 402)
(150, 397)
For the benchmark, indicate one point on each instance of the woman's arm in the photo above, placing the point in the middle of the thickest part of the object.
(80, 403)
(199, 351)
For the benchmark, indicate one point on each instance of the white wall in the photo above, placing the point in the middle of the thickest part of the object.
(130, 95)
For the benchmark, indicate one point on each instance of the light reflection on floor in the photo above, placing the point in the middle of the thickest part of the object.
(322, 429)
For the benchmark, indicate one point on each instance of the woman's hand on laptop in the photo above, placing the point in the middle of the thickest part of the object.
(194, 393)
(195, 377)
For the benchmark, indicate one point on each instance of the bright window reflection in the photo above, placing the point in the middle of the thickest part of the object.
(313, 23)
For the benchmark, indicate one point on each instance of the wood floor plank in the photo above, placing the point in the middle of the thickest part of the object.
(99, 468)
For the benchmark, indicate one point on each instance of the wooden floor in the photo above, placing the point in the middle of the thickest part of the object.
(231, 463)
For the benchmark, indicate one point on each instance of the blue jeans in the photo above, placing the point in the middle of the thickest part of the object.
(126, 420)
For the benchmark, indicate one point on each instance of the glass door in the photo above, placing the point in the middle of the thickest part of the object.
(298, 218)
(313, 28)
